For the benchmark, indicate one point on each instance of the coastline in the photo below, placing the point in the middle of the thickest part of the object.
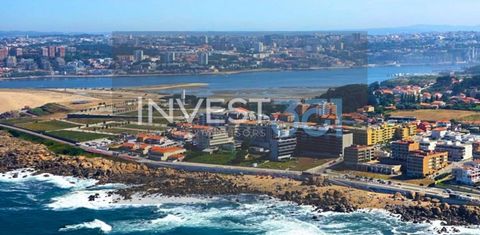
(180, 74)
(316, 192)
(221, 72)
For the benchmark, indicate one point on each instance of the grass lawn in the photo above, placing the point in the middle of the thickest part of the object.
(219, 158)
(144, 127)
(229, 158)
(77, 136)
(474, 118)
(17, 120)
(435, 114)
(120, 131)
(297, 164)
(53, 146)
(46, 125)
(91, 120)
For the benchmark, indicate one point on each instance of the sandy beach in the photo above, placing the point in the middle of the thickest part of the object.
(15, 99)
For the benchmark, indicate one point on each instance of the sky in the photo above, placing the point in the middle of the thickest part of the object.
(231, 15)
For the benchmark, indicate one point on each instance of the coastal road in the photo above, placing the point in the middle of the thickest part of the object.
(201, 167)
(334, 178)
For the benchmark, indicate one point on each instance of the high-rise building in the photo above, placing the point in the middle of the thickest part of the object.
(3, 53)
(18, 52)
(259, 47)
(45, 51)
(170, 58)
(203, 58)
(138, 55)
(60, 51)
(51, 51)
(11, 61)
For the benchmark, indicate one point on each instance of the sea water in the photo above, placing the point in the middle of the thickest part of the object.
(48, 204)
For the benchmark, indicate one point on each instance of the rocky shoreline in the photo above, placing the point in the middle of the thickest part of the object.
(16, 154)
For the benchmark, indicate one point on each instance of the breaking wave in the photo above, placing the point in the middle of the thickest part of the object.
(95, 224)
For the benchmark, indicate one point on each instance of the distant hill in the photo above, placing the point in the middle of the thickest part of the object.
(353, 96)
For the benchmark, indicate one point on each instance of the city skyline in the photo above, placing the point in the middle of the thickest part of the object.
(217, 15)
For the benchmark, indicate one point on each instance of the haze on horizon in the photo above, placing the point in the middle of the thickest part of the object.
(227, 15)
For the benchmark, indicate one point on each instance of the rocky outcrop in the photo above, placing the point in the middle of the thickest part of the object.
(16, 153)
(451, 214)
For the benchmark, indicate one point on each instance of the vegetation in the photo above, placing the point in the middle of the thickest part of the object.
(219, 158)
(48, 109)
(353, 96)
(237, 158)
(53, 146)
(438, 114)
(76, 136)
(46, 125)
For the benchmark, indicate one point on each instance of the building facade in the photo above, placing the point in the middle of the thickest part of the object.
(356, 154)
(422, 164)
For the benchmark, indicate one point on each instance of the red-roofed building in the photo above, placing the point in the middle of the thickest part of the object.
(163, 153)
(150, 139)
(128, 146)
(176, 158)
(424, 126)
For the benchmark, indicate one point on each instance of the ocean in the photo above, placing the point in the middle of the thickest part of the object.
(36, 204)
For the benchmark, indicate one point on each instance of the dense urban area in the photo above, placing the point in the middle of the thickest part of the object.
(198, 53)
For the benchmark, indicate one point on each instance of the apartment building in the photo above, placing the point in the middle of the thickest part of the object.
(216, 137)
(401, 149)
(315, 142)
(279, 139)
(456, 150)
(356, 154)
(422, 163)
(468, 173)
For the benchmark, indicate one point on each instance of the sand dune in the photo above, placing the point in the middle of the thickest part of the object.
(12, 99)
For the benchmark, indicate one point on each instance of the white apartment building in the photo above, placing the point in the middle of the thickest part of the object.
(468, 174)
(456, 151)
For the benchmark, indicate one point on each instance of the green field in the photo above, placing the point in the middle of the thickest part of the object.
(220, 158)
(53, 146)
(77, 136)
(114, 130)
(46, 125)
(231, 158)
(474, 118)
(144, 127)
(297, 164)
(91, 120)
(49, 108)
(17, 120)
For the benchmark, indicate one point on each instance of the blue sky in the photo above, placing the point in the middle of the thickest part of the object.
(218, 15)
